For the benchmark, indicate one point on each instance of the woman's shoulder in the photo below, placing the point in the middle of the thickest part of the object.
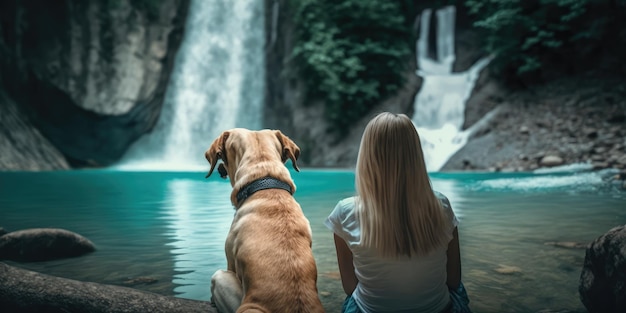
(447, 207)
(347, 202)
(346, 206)
(342, 220)
(443, 199)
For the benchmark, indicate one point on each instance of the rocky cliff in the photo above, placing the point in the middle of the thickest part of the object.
(81, 80)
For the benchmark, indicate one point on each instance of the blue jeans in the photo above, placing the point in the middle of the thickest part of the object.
(460, 302)
(349, 306)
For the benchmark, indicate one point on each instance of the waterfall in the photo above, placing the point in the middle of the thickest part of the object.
(440, 104)
(217, 83)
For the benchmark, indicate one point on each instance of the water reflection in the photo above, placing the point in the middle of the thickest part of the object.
(198, 215)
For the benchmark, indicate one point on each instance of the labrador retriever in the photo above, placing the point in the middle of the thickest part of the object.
(268, 248)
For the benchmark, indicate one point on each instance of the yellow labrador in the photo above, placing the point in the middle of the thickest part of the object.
(268, 249)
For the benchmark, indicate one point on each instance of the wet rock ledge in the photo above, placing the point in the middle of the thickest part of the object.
(26, 291)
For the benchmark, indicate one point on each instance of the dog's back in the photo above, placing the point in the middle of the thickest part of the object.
(274, 255)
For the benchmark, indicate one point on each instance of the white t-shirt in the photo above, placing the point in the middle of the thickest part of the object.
(416, 284)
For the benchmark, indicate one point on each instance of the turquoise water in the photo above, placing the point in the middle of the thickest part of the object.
(171, 227)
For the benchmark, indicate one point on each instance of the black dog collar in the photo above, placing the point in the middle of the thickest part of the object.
(260, 184)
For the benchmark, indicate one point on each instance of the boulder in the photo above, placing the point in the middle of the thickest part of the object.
(551, 160)
(524, 130)
(602, 285)
(27, 291)
(42, 244)
(3, 231)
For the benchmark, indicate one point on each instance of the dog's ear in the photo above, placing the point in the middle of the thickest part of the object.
(290, 149)
(216, 152)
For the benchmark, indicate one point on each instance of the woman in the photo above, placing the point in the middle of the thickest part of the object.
(397, 241)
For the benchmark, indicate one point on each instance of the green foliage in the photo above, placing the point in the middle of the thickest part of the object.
(527, 36)
(351, 53)
(150, 7)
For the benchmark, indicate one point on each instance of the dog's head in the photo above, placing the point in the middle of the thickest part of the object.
(239, 145)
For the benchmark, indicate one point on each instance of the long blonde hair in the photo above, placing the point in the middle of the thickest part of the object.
(397, 208)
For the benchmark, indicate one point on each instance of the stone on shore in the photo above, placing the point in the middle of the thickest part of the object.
(43, 244)
(567, 244)
(27, 291)
(602, 285)
(551, 160)
(507, 269)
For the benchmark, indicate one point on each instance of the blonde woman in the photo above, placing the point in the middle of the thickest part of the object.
(397, 241)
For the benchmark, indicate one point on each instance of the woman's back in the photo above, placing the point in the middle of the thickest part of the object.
(416, 284)
(407, 285)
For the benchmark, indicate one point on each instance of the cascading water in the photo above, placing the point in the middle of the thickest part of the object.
(440, 105)
(217, 84)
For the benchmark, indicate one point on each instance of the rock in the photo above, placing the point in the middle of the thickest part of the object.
(524, 130)
(599, 165)
(27, 291)
(23, 146)
(621, 175)
(3, 231)
(567, 244)
(597, 158)
(591, 133)
(542, 124)
(551, 160)
(617, 118)
(42, 244)
(599, 150)
(139, 281)
(508, 270)
(332, 275)
(602, 285)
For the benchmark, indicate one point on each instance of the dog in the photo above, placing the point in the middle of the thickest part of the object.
(268, 248)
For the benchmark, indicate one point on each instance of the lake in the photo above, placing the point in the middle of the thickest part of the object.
(170, 227)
